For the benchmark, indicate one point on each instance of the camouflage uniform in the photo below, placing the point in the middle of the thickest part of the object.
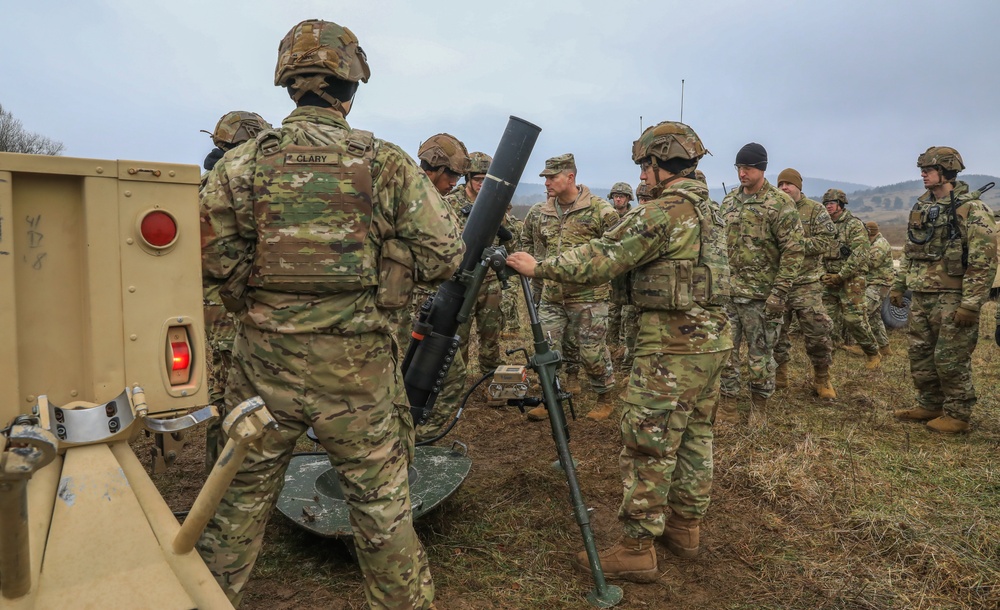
(805, 300)
(568, 309)
(512, 295)
(680, 352)
(953, 268)
(879, 279)
(848, 257)
(320, 351)
(766, 248)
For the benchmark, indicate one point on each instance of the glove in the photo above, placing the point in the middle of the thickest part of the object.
(896, 298)
(831, 280)
(996, 334)
(775, 304)
(966, 317)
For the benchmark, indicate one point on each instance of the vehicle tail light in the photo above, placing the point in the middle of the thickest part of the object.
(178, 354)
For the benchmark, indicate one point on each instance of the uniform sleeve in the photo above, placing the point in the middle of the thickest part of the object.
(787, 232)
(530, 245)
(823, 233)
(227, 225)
(424, 221)
(978, 229)
(857, 263)
(899, 284)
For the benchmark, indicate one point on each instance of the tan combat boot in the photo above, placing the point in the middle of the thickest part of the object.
(539, 413)
(781, 376)
(917, 414)
(603, 408)
(872, 361)
(632, 559)
(681, 536)
(947, 424)
(758, 401)
(885, 350)
(821, 383)
(725, 411)
(572, 384)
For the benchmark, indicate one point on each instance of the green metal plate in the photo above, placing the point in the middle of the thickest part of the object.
(312, 497)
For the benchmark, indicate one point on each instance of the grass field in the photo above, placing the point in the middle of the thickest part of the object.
(815, 505)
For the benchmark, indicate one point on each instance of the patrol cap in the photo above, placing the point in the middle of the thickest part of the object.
(835, 195)
(561, 163)
(791, 176)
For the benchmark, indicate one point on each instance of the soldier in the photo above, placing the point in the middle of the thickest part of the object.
(444, 159)
(846, 264)
(949, 263)
(765, 243)
(572, 216)
(618, 307)
(642, 193)
(233, 129)
(881, 274)
(805, 300)
(314, 340)
(675, 247)
(509, 302)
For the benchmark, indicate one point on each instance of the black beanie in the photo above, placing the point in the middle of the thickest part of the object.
(754, 155)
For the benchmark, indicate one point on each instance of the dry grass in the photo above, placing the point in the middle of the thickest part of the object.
(816, 505)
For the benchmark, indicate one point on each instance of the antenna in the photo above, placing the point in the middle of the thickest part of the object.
(682, 100)
(640, 124)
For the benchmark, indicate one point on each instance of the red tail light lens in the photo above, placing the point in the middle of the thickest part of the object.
(158, 229)
(181, 356)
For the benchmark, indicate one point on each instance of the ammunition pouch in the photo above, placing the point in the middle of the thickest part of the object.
(396, 276)
(233, 291)
(672, 285)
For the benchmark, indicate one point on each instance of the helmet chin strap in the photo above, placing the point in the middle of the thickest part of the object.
(315, 83)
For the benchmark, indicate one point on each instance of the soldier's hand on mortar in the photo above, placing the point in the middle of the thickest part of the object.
(775, 304)
(966, 317)
(523, 263)
(896, 298)
(831, 279)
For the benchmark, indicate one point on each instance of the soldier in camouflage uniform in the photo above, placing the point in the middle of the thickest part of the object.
(618, 307)
(949, 263)
(512, 294)
(675, 248)
(846, 264)
(233, 129)
(878, 281)
(765, 242)
(805, 300)
(314, 340)
(572, 216)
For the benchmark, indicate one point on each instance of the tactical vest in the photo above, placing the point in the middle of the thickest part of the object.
(932, 234)
(313, 210)
(839, 251)
(680, 284)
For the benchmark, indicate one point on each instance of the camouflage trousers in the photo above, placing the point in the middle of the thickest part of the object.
(749, 320)
(582, 328)
(805, 302)
(845, 305)
(941, 354)
(874, 297)
(220, 332)
(509, 306)
(489, 321)
(666, 426)
(348, 389)
(623, 325)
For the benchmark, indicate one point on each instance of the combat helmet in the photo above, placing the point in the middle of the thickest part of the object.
(320, 47)
(668, 140)
(237, 127)
(835, 195)
(621, 188)
(944, 157)
(642, 191)
(479, 163)
(445, 150)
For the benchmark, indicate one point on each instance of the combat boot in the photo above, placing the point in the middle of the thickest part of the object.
(885, 350)
(572, 384)
(947, 424)
(632, 559)
(821, 383)
(781, 376)
(539, 413)
(725, 411)
(917, 414)
(758, 401)
(872, 361)
(603, 408)
(681, 536)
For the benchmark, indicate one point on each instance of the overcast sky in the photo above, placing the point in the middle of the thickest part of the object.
(847, 90)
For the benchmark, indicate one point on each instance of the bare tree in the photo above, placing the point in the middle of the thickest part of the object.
(14, 138)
